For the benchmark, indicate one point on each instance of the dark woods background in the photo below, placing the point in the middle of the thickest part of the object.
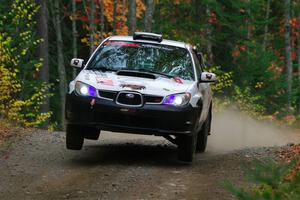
(251, 44)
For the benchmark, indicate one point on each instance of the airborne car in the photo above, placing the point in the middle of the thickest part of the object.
(141, 84)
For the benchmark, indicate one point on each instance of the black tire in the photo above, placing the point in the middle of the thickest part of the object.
(187, 147)
(91, 133)
(203, 134)
(74, 137)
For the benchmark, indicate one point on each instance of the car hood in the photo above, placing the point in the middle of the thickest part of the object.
(111, 81)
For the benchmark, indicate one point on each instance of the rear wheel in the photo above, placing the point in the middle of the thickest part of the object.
(187, 147)
(74, 137)
(203, 134)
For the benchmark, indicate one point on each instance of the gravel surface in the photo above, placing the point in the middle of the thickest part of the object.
(123, 166)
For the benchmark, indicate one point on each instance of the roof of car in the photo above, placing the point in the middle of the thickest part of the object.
(165, 42)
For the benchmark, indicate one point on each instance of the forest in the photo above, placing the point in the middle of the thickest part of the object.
(252, 45)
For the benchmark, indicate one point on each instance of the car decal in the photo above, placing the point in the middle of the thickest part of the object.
(105, 81)
(208, 76)
(122, 44)
(133, 86)
(177, 80)
(92, 103)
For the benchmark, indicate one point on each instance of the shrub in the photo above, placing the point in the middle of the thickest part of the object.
(270, 181)
(21, 91)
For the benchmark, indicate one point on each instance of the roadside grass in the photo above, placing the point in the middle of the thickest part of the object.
(271, 179)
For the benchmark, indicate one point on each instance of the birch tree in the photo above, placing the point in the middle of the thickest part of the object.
(149, 15)
(132, 16)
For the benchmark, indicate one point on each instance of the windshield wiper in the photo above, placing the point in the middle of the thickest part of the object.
(154, 72)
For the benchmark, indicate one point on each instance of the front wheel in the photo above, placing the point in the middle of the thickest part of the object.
(187, 147)
(91, 133)
(74, 137)
(203, 134)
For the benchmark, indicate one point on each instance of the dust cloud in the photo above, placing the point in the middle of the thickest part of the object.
(232, 130)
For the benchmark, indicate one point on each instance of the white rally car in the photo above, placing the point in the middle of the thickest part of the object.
(141, 84)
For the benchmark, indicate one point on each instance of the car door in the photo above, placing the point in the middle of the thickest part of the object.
(204, 88)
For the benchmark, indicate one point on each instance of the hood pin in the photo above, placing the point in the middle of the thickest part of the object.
(93, 102)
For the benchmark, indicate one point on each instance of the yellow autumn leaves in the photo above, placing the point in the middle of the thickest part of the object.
(17, 103)
(121, 18)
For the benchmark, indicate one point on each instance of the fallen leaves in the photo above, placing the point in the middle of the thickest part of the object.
(8, 131)
(289, 155)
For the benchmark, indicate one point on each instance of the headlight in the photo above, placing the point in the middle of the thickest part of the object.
(177, 99)
(85, 89)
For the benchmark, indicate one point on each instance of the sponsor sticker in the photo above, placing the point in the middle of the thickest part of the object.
(92, 103)
(208, 76)
(104, 81)
(178, 80)
(120, 43)
(133, 86)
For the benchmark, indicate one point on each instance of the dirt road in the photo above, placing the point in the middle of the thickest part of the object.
(122, 166)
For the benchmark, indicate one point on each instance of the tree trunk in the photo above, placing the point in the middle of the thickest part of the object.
(288, 53)
(43, 48)
(115, 18)
(209, 39)
(298, 52)
(74, 33)
(132, 16)
(102, 18)
(149, 15)
(265, 42)
(60, 57)
(92, 26)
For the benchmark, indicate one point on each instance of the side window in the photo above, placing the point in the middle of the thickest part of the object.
(201, 60)
(197, 64)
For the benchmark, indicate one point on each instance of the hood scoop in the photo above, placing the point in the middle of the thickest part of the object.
(136, 74)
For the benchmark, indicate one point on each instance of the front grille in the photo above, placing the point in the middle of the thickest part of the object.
(153, 99)
(130, 99)
(108, 94)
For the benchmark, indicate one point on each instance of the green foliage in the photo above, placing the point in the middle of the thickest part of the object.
(224, 80)
(268, 182)
(224, 83)
(248, 102)
(21, 92)
(260, 74)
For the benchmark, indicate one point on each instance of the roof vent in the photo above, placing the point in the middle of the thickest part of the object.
(147, 36)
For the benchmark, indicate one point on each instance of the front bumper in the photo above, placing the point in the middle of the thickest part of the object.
(148, 119)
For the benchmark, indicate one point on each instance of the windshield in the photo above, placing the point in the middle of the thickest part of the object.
(161, 59)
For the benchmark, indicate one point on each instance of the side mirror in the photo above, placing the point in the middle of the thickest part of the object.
(77, 62)
(207, 77)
